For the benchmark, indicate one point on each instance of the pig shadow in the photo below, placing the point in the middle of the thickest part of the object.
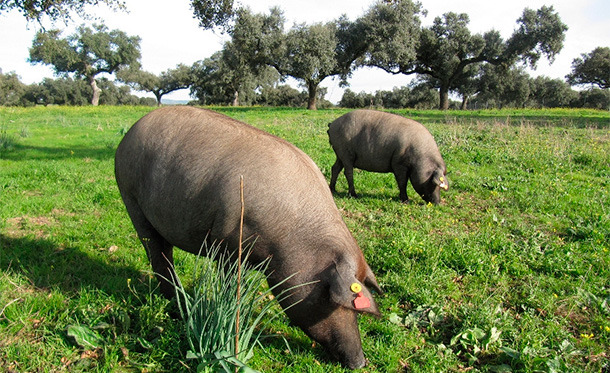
(46, 265)
(293, 342)
(364, 196)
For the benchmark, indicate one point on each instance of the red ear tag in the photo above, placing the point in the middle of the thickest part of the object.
(361, 301)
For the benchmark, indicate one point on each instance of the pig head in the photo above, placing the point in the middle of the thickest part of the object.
(178, 170)
(329, 308)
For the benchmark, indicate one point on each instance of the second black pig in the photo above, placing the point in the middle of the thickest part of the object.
(383, 142)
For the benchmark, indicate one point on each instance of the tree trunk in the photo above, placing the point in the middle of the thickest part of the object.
(158, 95)
(235, 98)
(312, 90)
(444, 97)
(464, 103)
(95, 100)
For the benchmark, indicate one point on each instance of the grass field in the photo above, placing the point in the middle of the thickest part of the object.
(510, 273)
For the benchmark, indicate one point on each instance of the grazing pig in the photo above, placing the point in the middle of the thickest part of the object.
(178, 170)
(382, 142)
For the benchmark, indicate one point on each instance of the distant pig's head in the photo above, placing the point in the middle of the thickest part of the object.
(429, 186)
(329, 309)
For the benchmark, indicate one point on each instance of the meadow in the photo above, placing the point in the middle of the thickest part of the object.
(510, 273)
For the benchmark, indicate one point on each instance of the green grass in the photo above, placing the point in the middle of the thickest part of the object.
(510, 273)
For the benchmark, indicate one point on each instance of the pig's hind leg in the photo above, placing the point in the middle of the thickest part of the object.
(159, 251)
(335, 171)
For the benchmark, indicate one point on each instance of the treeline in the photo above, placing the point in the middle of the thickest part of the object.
(65, 91)
(77, 92)
(521, 92)
(446, 59)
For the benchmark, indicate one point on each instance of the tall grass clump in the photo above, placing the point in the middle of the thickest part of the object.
(7, 141)
(224, 310)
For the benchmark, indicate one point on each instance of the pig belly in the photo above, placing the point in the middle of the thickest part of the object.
(373, 162)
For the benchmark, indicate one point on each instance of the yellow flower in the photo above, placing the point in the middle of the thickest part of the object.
(586, 336)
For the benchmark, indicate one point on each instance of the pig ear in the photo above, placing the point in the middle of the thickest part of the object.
(371, 282)
(440, 179)
(348, 292)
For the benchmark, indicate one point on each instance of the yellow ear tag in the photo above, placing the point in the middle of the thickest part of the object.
(355, 287)
(443, 184)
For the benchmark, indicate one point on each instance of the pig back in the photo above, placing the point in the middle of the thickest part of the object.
(182, 167)
(375, 140)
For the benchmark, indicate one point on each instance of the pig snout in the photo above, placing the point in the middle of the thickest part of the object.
(350, 354)
(339, 334)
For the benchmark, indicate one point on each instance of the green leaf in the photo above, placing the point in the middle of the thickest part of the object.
(512, 353)
(145, 344)
(191, 355)
(395, 319)
(84, 336)
(247, 369)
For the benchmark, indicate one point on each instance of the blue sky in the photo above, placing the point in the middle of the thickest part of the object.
(170, 35)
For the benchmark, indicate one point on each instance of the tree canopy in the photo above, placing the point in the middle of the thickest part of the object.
(87, 53)
(310, 56)
(213, 13)
(210, 13)
(261, 53)
(168, 81)
(11, 89)
(217, 81)
(592, 68)
(389, 33)
(446, 49)
(312, 53)
(35, 10)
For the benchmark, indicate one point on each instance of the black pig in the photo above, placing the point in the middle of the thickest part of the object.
(382, 142)
(178, 170)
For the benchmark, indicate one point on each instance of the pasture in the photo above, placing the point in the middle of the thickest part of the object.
(511, 273)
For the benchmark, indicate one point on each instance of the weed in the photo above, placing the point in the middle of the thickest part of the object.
(225, 310)
(473, 343)
(24, 132)
(7, 141)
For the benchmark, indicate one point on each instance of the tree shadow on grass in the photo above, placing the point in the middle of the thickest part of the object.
(30, 152)
(68, 269)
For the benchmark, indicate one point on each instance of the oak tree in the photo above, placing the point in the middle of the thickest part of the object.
(168, 81)
(310, 56)
(87, 53)
(592, 68)
(446, 49)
